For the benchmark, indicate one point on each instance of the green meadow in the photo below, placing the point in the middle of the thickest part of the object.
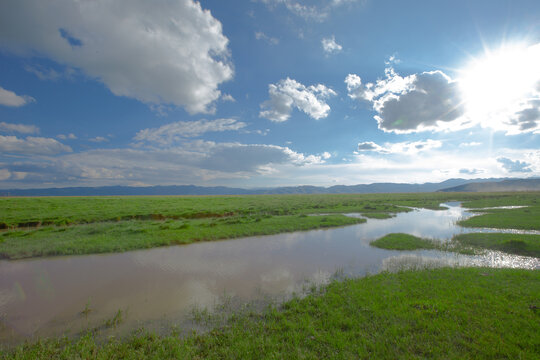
(35, 227)
(454, 313)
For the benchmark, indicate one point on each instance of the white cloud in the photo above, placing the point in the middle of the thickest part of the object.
(419, 102)
(514, 165)
(174, 53)
(173, 132)
(31, 146)
(405, 148)
(315, 12)
(9, 98)
(98, 139)
(330, 45)
(288, 94)
(228, 97)
(70, 136)
(20, 128)
(47, 73)
(470, 144)
(259, 35)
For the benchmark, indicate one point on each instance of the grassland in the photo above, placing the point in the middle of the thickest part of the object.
(519, 244)
(441, 313)
(33, 227)
(129, 235)
(527, 218)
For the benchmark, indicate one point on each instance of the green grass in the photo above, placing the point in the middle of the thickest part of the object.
(473, 313)
(527, 245)
(525, 218)
(400, 241)
(83, 225)
(128, 235)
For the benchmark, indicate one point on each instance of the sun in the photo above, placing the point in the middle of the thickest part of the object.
(500, 80)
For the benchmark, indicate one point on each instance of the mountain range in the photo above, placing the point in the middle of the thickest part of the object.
(445, 186)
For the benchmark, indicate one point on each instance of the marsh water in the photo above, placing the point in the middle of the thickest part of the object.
(159, 288)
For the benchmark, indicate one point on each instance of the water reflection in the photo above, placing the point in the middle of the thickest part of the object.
(45, 297)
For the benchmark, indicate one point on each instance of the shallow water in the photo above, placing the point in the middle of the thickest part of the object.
(158, 287)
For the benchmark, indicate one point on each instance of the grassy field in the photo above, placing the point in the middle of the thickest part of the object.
(105, 237)
(527, 245)
(443, 313)
(527, 218)
(34, 227)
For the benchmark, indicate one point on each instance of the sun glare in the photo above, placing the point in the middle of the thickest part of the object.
(500, 80)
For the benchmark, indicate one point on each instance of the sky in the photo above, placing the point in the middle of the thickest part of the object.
(267, 93)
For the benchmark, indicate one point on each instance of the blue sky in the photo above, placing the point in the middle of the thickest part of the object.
(267, 92)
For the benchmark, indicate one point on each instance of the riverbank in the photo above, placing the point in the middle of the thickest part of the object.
(438, 313)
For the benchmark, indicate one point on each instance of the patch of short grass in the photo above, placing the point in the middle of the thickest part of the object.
(519, 244)
(449, 313)
(400, 241)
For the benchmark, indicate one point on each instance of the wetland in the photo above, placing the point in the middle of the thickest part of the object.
(165, 289)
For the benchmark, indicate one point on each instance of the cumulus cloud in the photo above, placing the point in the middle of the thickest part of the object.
(20, 128)
(259, 35)
(174, 53)
(9, 98)
(427, 101)
(173, 132)
(514, 165)
(330, 46)
(288, 94)
(409, 148)
(31, 146)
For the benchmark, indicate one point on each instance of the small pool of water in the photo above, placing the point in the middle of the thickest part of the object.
(47, 297)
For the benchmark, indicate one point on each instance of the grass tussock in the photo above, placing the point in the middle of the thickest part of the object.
(400, 241)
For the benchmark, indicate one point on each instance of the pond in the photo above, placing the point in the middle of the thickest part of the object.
(159, 288)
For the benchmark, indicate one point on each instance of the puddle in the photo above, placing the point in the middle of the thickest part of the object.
(47, 297)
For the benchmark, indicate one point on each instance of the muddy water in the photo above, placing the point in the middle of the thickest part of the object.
(159, 287)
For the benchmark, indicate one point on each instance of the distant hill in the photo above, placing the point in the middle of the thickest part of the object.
(505, 185)
(448, 185)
